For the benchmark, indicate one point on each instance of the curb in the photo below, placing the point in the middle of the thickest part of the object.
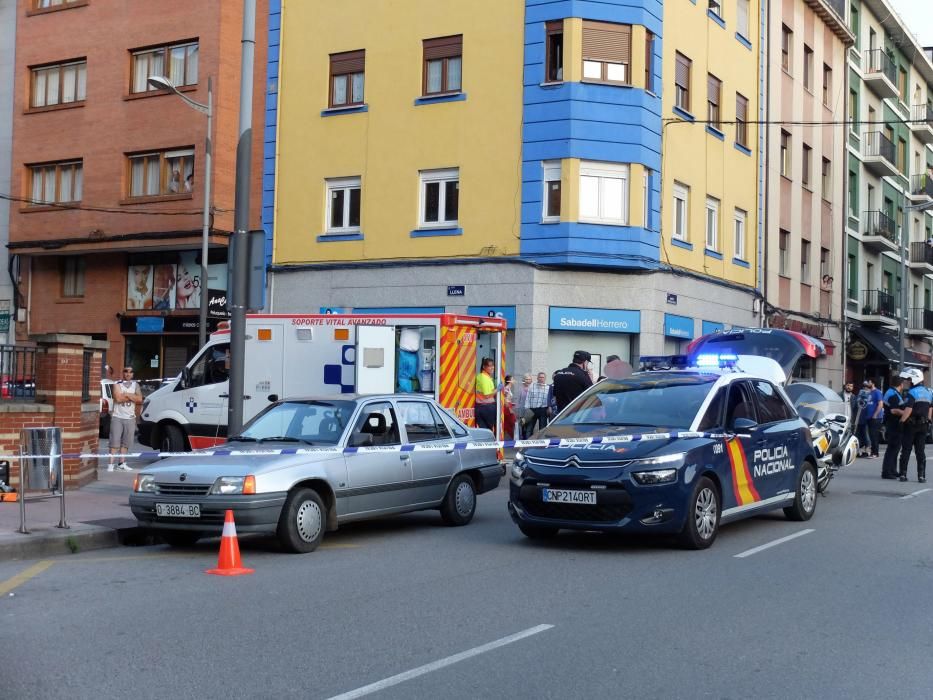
(44, 543)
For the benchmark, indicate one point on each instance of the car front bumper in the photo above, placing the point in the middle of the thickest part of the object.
(255, 513)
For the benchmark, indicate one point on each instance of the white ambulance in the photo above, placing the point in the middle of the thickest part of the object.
(316, 354)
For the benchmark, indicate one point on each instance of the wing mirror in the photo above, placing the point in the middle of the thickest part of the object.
(740, 424)
(273, 398)
(361, 440)
(184, 381)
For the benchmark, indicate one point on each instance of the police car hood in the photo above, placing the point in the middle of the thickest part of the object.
(648, 442)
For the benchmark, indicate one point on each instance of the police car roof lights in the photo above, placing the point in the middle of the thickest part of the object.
(706, 361)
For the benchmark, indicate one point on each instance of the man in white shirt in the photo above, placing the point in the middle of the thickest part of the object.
(126, 396)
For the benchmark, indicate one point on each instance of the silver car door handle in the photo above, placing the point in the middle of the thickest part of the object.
(449, 450)
(404, 456)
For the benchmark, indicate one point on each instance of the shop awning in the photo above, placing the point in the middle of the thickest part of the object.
(886, 345)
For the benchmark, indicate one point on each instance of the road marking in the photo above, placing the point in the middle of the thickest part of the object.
(441, 663)
(23, 576)
(915, 493)
(774, 543)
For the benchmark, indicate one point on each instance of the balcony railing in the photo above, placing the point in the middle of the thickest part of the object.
(877, 61)
(921, 114)
(921, 252)
(874, 143)
(17, 373)
(921, 185)
(877, 302)
(921, 318)
(877, 223)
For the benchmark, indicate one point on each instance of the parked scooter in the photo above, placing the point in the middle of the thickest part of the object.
(835, 446)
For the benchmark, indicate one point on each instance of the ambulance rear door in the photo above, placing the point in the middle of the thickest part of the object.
(263, 372)
(375, 359)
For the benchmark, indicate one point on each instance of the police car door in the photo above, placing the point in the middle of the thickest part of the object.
(776, 451)
(740, 492)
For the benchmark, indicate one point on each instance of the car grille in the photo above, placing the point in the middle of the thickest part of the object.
(572, 511)
(577, 462)
(183, 489)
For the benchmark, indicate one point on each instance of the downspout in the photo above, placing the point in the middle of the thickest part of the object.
(764, 179)
(844, 181)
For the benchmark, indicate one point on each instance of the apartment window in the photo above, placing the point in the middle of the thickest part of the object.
(853, 192)
(808, 67)
(346, 78)
(440, 197)
(783, 244)
(62, 83)
(805, 165)
(713, 94)
(787, 41)
(741, 17)
(712, 223)
(682, 81)
(902, 155)
(853, 276)
(805, 262)
(44, 4)
(55, 183)
(607, 52)
(741, 120)
(826, 179)
(343, 205)
(551, 190)
(825, 270)
(443, 65)
(604, 193)
(902, 84)
(161, 173)
(785, 153)
(177, 62)
(715, 6)
(853, 111)
(739, 219)
(72, 274)
(827, 85)
(649, 61)
(555, 52)
(681, 212)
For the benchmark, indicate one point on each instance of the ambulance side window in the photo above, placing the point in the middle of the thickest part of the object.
(713, 416)
(771, 407)
(739, 404)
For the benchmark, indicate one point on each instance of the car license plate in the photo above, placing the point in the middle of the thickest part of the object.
(568, 496)
(178, 510)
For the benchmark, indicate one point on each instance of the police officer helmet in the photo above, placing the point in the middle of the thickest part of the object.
(913, 374)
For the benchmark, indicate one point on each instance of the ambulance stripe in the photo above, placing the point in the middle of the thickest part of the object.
(742, 485)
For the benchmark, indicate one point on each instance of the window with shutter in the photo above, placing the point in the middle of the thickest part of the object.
(713, 90)
(607, 52)
(443, 65)
(682, 82)
(346, 78)
(741, 120)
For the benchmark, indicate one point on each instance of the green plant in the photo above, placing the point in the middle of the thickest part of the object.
(73, 545)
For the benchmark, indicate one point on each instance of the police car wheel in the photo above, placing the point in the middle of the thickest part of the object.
(805, 497)
(703, 513)
(536, 532)
(459, 502)
(301, 523)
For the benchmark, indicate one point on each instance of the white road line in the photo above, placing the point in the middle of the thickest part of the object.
(775, 543)
(915, 493)
(441, 663)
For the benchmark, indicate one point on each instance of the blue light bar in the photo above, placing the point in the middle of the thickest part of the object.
(719, 360)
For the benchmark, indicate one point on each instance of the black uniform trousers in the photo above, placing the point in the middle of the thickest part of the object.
(894, 436)
(915, 435)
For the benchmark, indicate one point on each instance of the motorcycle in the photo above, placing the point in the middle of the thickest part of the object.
(834, 443)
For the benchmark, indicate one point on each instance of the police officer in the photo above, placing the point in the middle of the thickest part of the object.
(915, 423)
(893, 402)
(573, 380)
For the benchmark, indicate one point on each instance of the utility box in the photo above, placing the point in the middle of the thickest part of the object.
(42, 470)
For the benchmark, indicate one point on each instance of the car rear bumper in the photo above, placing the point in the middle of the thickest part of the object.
(259, 513)
(491, 476)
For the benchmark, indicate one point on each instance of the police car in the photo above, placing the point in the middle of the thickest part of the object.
(676, 449)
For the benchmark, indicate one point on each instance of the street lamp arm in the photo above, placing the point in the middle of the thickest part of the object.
(202, 108)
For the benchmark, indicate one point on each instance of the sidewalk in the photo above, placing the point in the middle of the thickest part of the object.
(98, 516)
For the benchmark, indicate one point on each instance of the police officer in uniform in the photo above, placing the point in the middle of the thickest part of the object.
(915, 423)
(573, 380)
(893, 402)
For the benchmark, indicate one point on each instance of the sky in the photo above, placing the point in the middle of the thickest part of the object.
(918, 16)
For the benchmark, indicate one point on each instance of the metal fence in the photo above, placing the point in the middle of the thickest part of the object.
(17, 373)
(877, 302)
(874, 144)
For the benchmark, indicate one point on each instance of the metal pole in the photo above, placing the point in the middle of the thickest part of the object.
(240, 241)
(901, 320)
(206, 221)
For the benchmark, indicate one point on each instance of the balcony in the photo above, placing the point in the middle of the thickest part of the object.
(878, 307)
(879, 231)
(878, 154)
(921, 123)
(921, 257)
(920, 322)
(879, 73)
(921, 188)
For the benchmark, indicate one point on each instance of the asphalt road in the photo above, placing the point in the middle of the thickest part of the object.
(840, 610)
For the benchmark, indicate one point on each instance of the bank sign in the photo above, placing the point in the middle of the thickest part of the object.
(562, 318)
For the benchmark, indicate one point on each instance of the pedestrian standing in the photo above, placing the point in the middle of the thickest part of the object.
(537, 400)
(915, 422)
(508, 408)
(520, 410)
(573, 380)
(485, 402)
(861, 407)
(875, 411)
(126, 397)
(848, 395)
(893, 403)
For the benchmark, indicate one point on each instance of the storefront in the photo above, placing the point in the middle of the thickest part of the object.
(678, 331)
(875, 354)
(601, 332)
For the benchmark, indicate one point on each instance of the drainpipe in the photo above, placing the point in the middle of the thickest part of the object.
(764, 91)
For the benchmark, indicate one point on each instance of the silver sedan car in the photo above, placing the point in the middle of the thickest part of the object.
(327, 461)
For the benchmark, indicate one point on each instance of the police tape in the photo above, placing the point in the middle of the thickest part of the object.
(433, 446)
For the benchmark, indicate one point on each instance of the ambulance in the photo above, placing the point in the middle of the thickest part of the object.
(437, 355)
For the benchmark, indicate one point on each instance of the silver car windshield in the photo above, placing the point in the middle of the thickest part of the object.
(311, 422)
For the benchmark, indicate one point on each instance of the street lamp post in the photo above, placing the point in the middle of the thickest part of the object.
(162, 83)
(905, 251)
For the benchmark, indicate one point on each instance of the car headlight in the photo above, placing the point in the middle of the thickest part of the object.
(658, 470)
(234, 485)
(518, 466)
(145, 483)
(655, 476)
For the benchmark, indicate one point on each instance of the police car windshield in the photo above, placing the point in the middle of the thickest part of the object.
(655, 400)
(314, 422)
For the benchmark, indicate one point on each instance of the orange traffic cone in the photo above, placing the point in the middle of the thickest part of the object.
(228, 562)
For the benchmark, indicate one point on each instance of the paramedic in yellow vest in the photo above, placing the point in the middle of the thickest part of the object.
(485, 409)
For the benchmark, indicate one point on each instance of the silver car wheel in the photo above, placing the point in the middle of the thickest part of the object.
(308, 521)
(465, 498)
(705, 513)
(807, 490)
